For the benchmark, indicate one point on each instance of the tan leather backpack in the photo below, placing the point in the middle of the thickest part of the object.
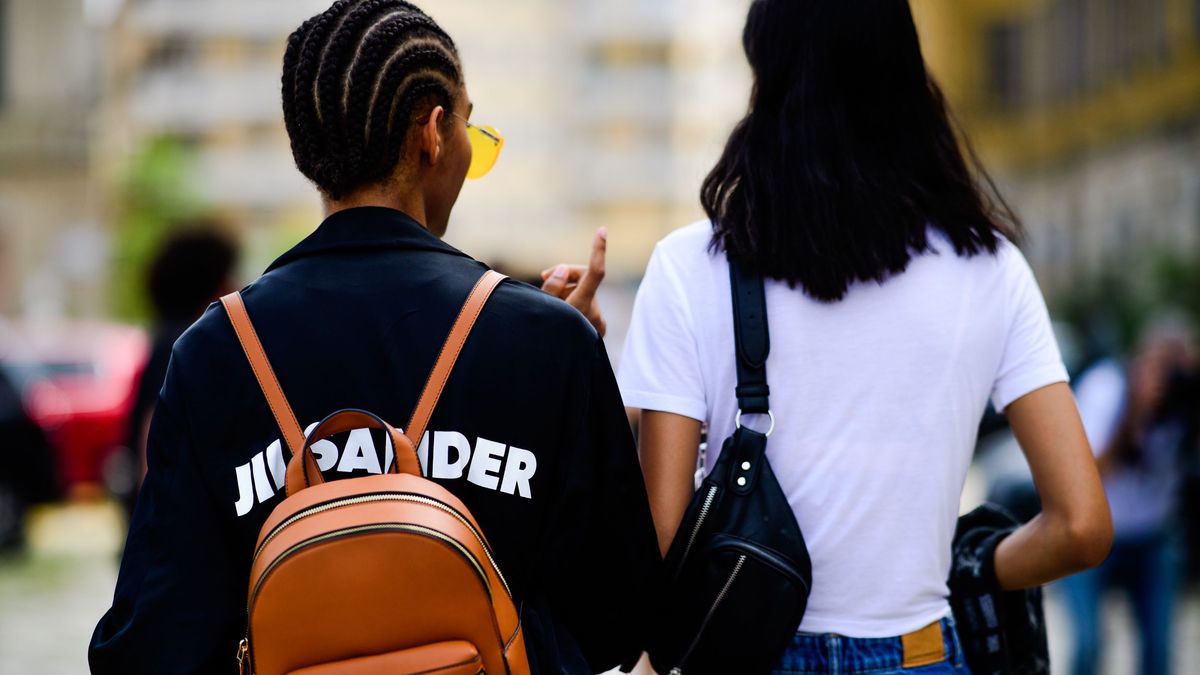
(380, 574)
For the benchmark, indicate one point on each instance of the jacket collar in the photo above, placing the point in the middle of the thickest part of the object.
(367, 228)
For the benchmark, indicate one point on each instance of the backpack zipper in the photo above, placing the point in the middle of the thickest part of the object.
(385, 497)
(678, 670)
(243, 655)
(704, 509)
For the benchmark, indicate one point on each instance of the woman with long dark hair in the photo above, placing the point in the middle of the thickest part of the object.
(898, 305)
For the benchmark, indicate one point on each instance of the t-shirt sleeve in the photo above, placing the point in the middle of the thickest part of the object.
(660, 366)
(1030, 359)
(603, 566)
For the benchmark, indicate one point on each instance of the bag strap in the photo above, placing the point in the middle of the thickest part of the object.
(752, 340)
(449, 354)
(292, 432)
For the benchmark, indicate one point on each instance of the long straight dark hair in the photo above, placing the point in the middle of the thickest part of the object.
(847, 154)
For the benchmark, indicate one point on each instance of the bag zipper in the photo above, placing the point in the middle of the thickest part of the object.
(764, 555)
(243, 653)
(737, 567)
(244, 646)
(384, 497)
(704, 509)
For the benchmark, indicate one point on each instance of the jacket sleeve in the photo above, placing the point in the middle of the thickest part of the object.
(177, 607)
(603, 564)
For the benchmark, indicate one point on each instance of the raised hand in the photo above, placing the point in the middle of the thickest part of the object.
(577, 284)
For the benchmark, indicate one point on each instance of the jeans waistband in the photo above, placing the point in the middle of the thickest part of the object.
(829, 653)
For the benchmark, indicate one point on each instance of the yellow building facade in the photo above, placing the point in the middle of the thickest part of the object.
(1038, 81)
(1088, 113)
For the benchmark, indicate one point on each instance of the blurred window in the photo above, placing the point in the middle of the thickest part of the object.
(1152, 30)
(1004, 63)
(3, 52)
(1124, 31)
(630, 54)
(1158, 46)
(263, 48)
(172, 52)
(1072, 72)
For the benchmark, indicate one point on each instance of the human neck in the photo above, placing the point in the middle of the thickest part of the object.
(410, 202)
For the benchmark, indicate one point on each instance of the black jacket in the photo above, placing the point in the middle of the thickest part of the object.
(353, 317)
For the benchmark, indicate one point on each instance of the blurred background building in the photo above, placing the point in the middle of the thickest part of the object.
(51, 242)
(1089, 112)
(121, 119)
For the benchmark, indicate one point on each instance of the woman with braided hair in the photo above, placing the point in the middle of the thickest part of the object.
(530, 432)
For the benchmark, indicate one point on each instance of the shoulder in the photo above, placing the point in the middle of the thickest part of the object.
(1004, 270)
(684, 259)
(1009, 255)
(526, 311)
(1016, 275)
(210, 339)
(1007, 260)
(688, 243)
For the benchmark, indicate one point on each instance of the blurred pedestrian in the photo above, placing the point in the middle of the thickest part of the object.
(27, 470)
(898, 304)
(191, 269)
(1142, 425)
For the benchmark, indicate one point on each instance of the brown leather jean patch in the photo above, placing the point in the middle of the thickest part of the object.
(924, 647)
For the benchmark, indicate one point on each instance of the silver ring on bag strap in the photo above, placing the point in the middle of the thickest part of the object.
(737, 421)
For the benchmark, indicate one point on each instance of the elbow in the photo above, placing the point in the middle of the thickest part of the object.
(1089, 540)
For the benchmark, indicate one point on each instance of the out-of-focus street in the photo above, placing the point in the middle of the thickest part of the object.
(52, 595)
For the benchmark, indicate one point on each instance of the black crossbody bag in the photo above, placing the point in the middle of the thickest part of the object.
(738, 570)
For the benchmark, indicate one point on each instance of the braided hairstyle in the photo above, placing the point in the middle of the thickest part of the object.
(354, 79)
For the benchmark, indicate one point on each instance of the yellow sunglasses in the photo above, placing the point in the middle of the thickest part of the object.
(486, 143)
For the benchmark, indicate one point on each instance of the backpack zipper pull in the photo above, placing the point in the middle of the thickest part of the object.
(242, 653)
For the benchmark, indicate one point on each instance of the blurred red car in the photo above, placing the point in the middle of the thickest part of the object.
(78, 380)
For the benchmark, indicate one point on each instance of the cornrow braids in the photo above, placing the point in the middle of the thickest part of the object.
(291, 59)
(299, 103)
(354, 77)
(410, 75)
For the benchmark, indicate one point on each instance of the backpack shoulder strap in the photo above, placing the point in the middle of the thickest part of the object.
(293, 435)
(286, 419)
(449, 354)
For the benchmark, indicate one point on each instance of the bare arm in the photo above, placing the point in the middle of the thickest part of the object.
(1074, 530)
(668, 445)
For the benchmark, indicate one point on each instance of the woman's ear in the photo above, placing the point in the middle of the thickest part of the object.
(431, 135)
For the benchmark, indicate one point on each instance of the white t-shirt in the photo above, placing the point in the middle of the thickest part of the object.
(878, 399)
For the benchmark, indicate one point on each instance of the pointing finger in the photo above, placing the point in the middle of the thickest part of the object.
(595, 270)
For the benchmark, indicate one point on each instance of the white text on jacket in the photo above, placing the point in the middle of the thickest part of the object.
(488, 464)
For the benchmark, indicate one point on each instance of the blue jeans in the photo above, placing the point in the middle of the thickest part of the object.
(810, 653)
(1147, 568)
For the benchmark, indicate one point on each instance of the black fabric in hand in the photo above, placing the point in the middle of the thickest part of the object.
(1002, 632)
